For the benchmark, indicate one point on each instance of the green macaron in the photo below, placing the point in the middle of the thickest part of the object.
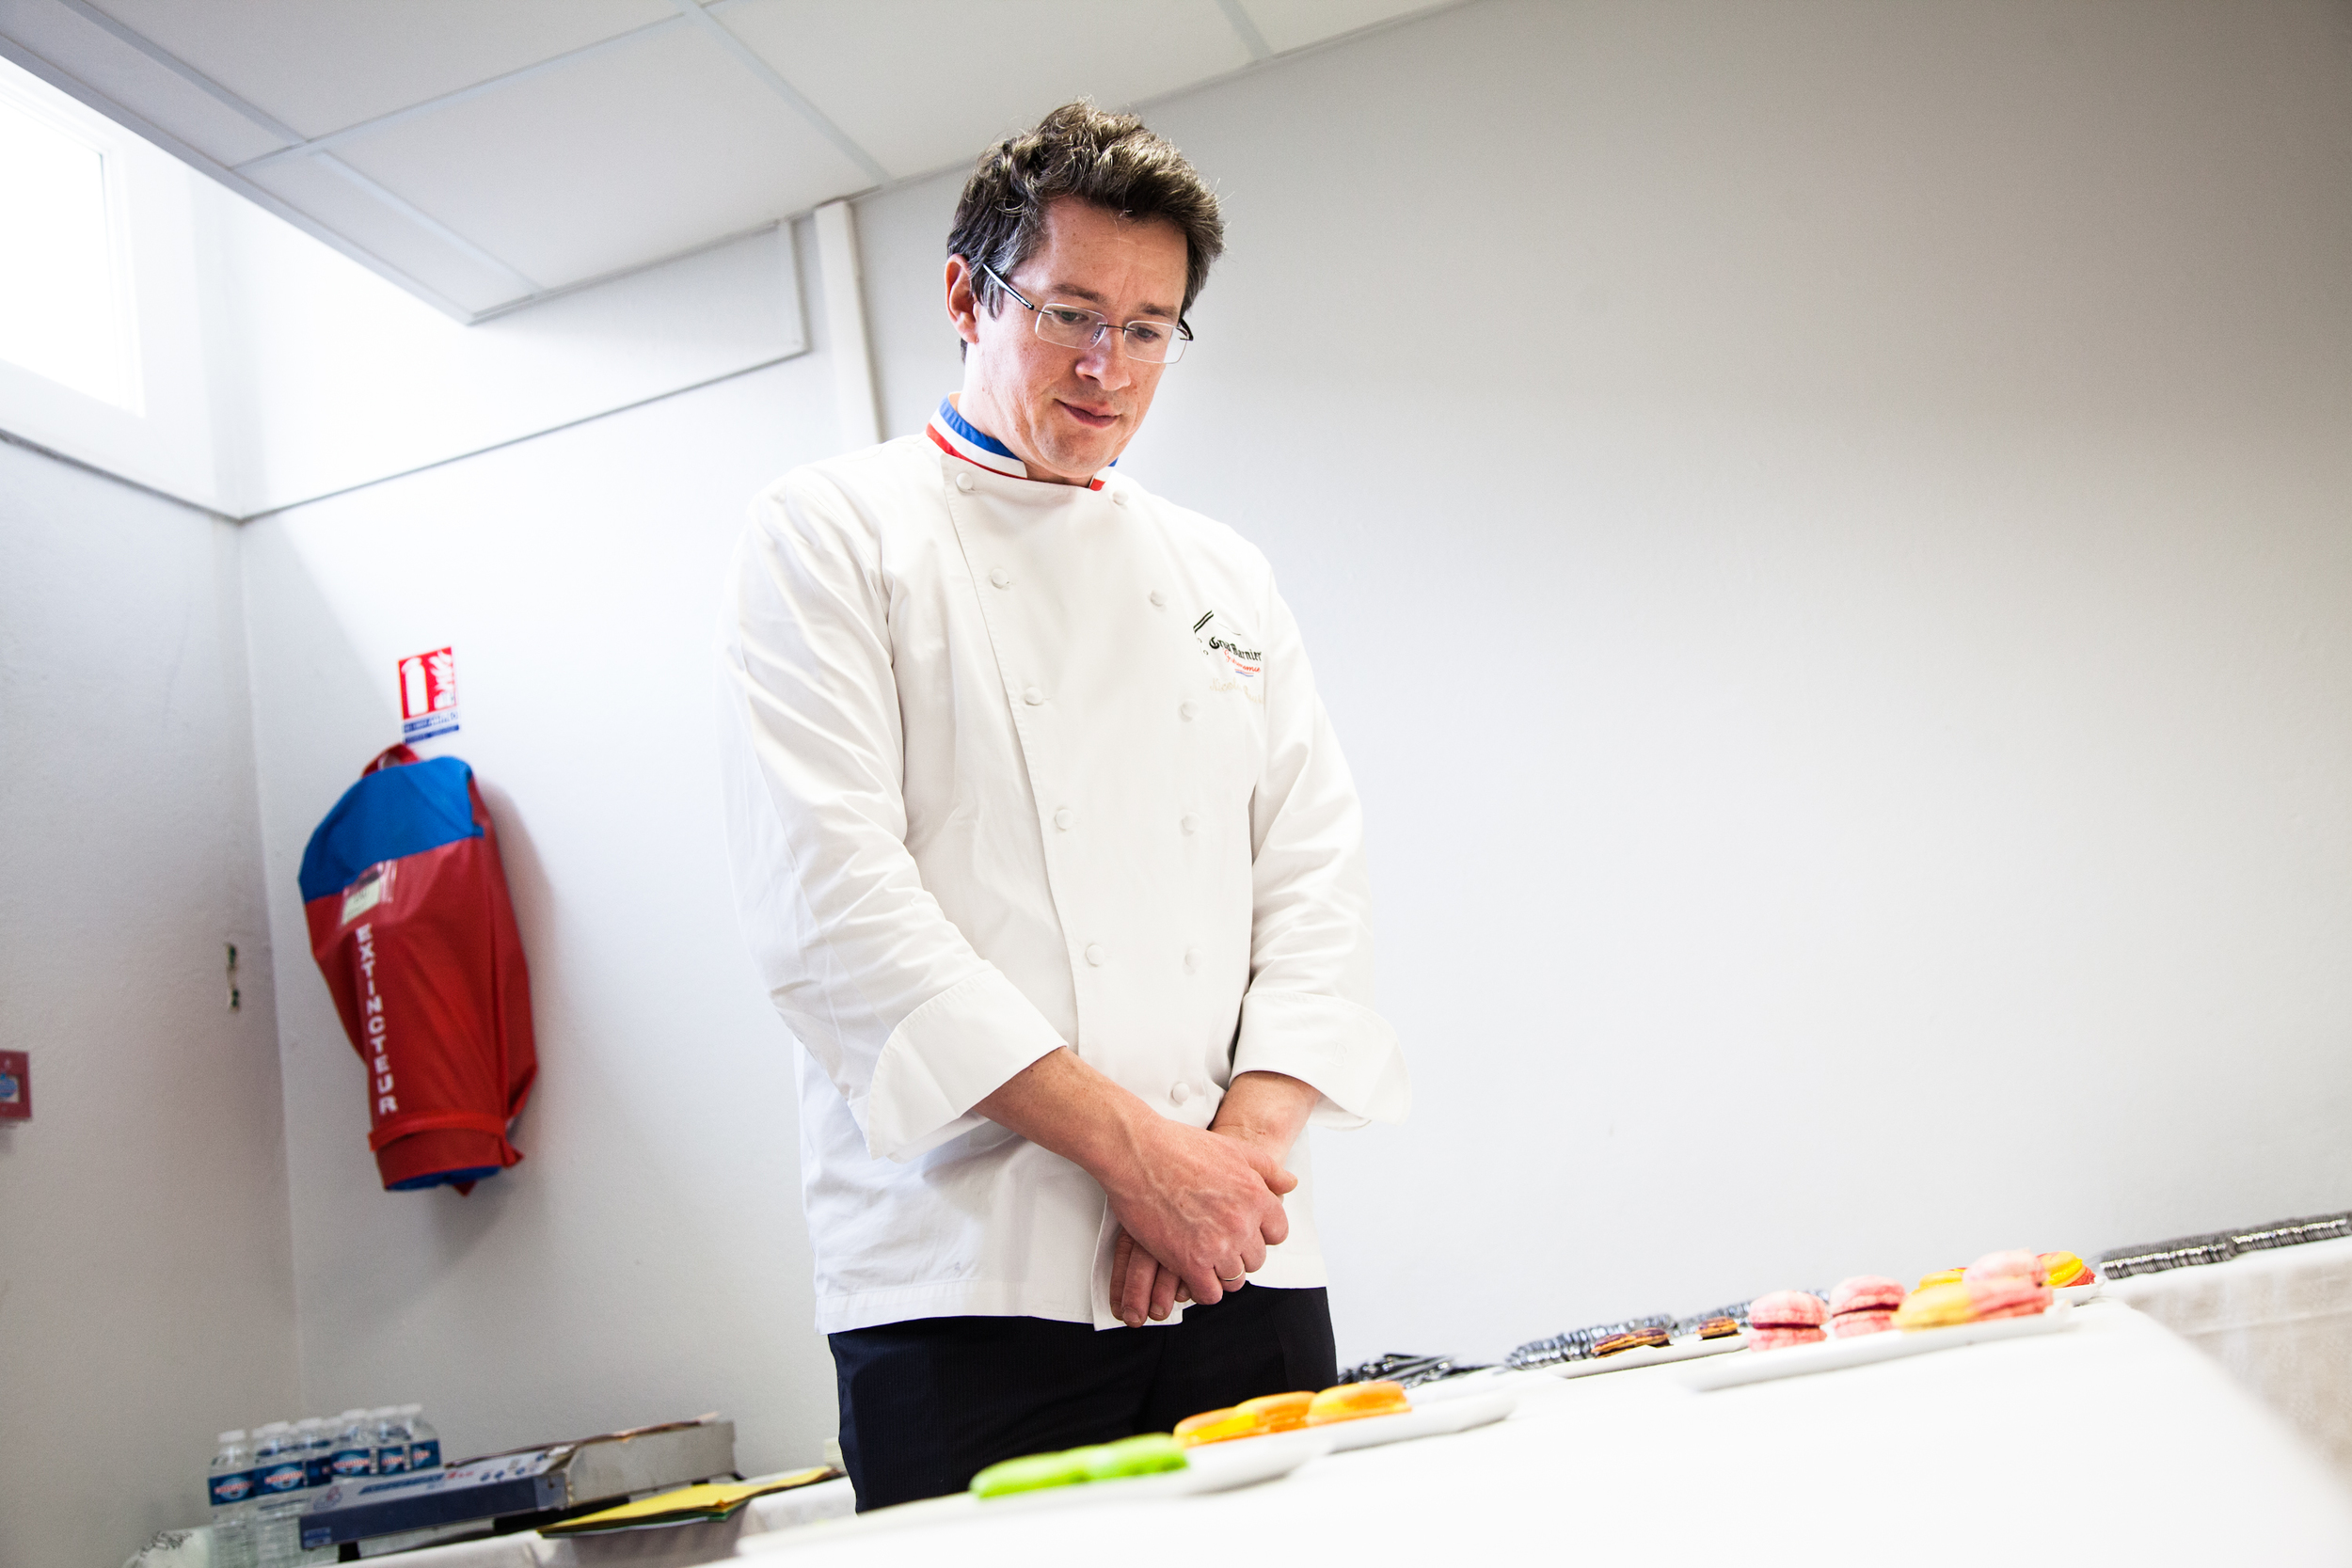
(1146, 1455)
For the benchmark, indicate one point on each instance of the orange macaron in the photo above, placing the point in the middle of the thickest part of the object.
(1353, 1401)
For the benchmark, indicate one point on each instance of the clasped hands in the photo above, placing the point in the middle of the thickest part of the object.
(1197, 1210)
(1195, 1217)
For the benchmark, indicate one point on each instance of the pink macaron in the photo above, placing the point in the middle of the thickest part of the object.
(1786, 1317)
(1864, 1304)
(2006, 1296)
(2025, 1266)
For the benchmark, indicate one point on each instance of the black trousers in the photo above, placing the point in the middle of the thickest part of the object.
(927, 1404)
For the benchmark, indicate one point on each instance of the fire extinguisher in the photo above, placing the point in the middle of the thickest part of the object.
(413, 928)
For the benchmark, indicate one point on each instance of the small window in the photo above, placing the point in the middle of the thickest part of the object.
(65, 297)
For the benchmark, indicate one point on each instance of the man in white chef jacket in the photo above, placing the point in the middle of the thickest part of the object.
(1050, 861)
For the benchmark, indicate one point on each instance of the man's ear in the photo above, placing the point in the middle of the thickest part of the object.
(963, 303)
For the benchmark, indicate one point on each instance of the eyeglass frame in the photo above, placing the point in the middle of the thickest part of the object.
(1184, 327)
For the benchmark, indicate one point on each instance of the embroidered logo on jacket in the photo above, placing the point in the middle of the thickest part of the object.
(1234, 666)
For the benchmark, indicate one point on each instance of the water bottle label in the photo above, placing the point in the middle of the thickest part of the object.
(392, 1462)
(353, 1461)
(284, 1475)
(425, 1455)
(232, 1487)
(317, 1470)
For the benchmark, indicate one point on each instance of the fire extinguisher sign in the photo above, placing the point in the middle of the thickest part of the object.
(428, 695)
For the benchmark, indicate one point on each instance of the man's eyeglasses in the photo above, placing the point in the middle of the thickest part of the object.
(1149, 341)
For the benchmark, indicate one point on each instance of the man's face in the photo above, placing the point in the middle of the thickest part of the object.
(1067, 412)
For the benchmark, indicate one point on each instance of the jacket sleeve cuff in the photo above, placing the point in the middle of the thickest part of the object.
(946, 1057)
(1347, 1052)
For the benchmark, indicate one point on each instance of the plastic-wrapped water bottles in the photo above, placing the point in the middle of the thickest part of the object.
(228, 1485)
(278, 1462)
(424, 1443)
(353, 1450)
(318, 1454)
(278, 1475)
(392, 1440)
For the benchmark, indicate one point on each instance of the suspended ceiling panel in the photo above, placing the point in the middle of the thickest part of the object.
(487, 153)
(119, 80)
(320, 65)
(671, 135)
(911, 104)
(1287, 25)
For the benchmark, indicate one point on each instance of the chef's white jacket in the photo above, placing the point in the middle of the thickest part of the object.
(1013, 765)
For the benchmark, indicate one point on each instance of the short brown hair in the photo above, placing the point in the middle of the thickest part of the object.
(1113, 162)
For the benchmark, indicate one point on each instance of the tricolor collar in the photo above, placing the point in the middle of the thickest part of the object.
(959, 437)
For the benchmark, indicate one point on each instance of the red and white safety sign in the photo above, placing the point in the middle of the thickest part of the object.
(428, 695)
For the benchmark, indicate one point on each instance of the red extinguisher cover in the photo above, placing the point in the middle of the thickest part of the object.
(413, 928)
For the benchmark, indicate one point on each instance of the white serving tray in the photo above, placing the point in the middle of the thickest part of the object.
(1478, 1385)
(1833, 1354)
(1650, 1355)
(1214, 1468)
(1433, 1421)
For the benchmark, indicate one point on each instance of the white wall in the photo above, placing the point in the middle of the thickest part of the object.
(146, 1285)
(646, 1259)
(1824, 530)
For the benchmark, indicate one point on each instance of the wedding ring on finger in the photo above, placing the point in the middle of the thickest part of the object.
(1228, 1284)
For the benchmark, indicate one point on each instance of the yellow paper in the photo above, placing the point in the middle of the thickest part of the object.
(704, 1500)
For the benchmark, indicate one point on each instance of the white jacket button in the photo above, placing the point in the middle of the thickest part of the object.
(1190, 823)
(963, 482)
(1063, 818)
(1094, 954)
(1033, 696)
(1159, 600)
(1119, 498)
(1187, 708)
(1192, 960)
(1001, 578)
(1180, 1091)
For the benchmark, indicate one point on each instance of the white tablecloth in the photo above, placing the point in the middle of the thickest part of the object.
(2281, 1321)
(2111, 1435)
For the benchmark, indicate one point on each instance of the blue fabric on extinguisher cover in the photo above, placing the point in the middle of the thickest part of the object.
(413, 928)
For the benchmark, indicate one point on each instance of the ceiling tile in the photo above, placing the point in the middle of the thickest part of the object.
(313, 188)
(320, 65)
(919, 95)
(616, 160)
(115, 71)
(1296, 24)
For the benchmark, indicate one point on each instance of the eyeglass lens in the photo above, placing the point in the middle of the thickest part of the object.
(1153, 342)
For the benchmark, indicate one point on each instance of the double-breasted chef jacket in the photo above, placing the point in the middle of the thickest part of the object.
(1013, 765)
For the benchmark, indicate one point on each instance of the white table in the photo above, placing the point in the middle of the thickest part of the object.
(2113, 1435)
(2281, 1321)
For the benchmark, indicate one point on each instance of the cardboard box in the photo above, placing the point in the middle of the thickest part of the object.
(562, 1476)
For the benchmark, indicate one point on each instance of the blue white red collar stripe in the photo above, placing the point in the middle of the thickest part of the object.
(959, 437)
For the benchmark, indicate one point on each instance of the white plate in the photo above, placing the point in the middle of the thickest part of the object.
(1832, 1354)
(1213, 1467)
(1370, 1432)
(1650, 1355)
